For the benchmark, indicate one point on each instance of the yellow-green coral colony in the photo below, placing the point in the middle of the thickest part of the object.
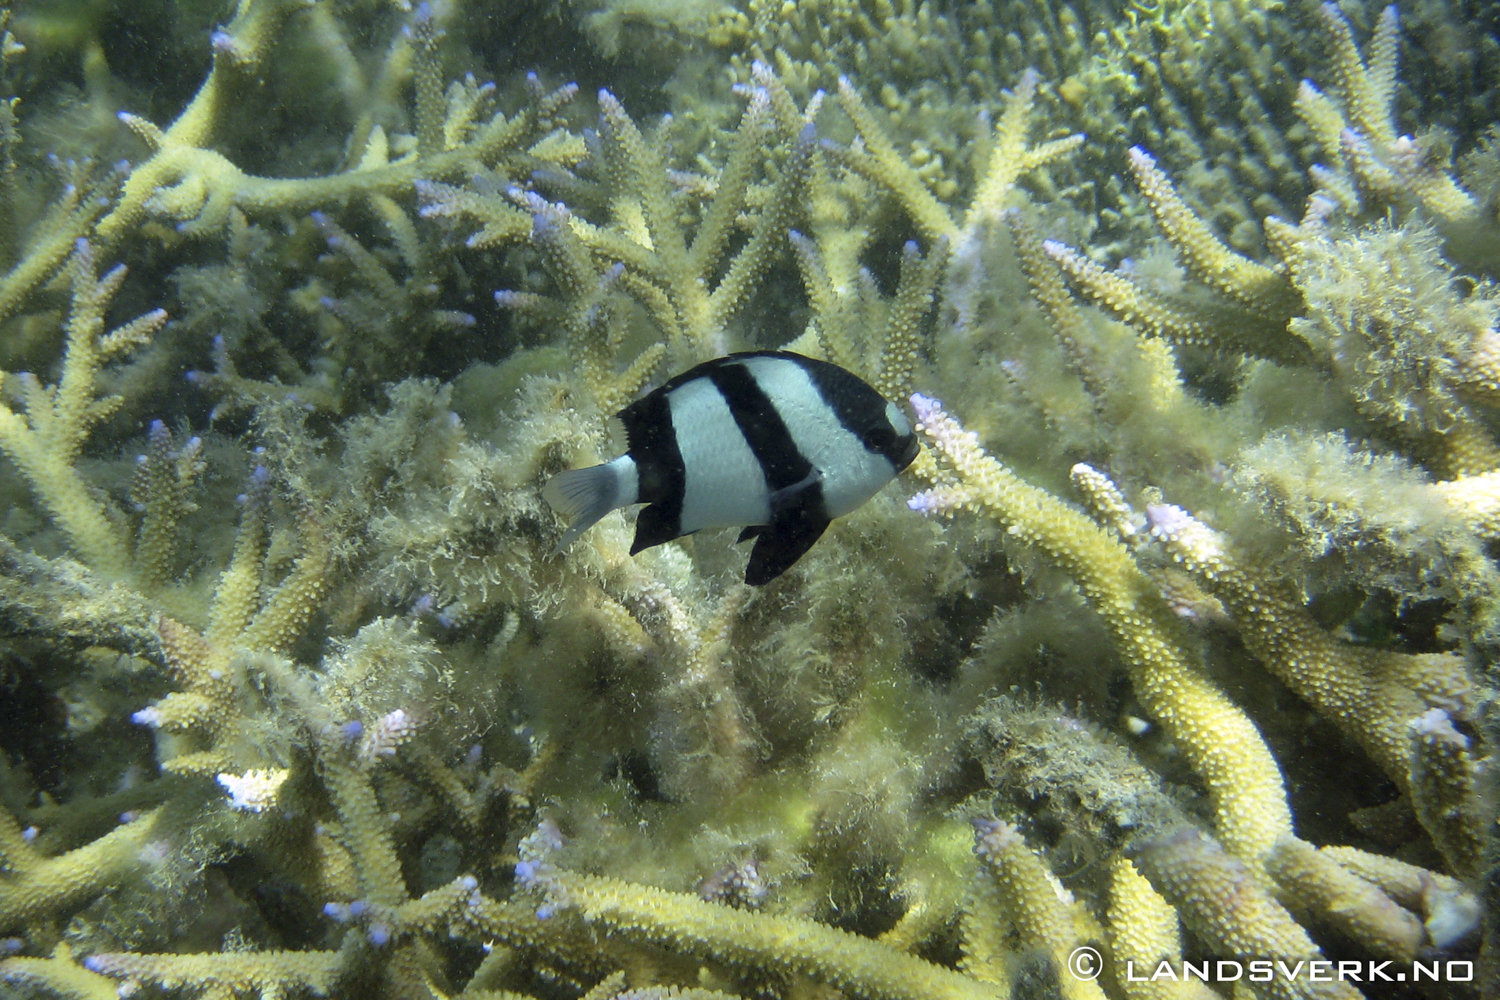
(1179, 645)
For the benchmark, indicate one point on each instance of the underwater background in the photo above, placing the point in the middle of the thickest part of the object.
(1177, 644)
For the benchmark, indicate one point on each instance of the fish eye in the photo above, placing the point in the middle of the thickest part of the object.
(880, 437)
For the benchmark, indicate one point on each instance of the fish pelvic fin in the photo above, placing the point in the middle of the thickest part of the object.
(781, 543)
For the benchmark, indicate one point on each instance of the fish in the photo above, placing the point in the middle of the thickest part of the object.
(771, 441)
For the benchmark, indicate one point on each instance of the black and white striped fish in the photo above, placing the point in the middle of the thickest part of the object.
(771, 440)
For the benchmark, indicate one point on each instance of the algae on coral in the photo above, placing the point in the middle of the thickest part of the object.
(300, 700)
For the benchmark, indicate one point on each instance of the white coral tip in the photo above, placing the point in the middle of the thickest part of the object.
(255, 790)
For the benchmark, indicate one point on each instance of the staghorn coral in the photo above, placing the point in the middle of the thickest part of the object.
(381, 315)
(685, 284)
(339, 721)
(1373, 695)
(1404, 354)
(1119, 74)
(45, 442)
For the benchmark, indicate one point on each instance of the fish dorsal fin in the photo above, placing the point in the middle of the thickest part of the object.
(782, 542)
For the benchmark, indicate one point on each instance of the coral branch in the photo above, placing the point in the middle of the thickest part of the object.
(787, 944)
(60, 974)
(1238, 277)
(1360, 690)
(1223, 747)
(1314, 881)
(1045, 916)
(45, 442)
(263, 971)
(1227, 907)
(63, 602)
(1444, 790)
(36, 888)
(1143, 933)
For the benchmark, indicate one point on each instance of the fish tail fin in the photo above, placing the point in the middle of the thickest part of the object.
(583, 496)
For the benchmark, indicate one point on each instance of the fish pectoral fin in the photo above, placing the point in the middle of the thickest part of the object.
(750, 532)
(781, 543)
(790, 496)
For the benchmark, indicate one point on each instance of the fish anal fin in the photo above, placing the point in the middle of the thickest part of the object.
(750, 532)
(781, 543)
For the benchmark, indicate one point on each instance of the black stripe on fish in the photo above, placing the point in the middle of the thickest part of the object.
(859, 408)
(798, 515)
(856, 405)
(759, 420)
(652, 445)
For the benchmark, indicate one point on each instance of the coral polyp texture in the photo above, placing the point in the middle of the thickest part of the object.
(1173, 653)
